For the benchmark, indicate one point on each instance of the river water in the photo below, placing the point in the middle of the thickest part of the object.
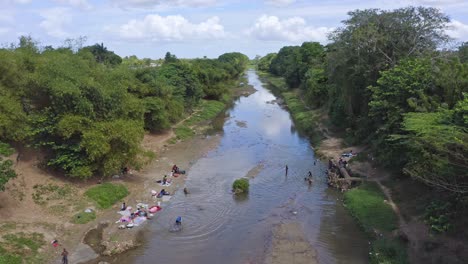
(220, 228)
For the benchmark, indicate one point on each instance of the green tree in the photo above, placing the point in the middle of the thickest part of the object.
(438, 143)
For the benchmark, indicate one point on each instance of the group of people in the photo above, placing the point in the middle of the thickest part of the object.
(141, 211)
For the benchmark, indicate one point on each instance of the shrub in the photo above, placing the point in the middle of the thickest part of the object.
(240, 185)
(438, 216)
(107, 194)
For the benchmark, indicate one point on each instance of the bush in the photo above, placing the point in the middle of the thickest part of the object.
(240, 185)
(107, 194)
(83, 217)
(366, 204)
(389, 251)
(438, 216)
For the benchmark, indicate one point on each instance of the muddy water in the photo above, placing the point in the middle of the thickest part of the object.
(220, 228)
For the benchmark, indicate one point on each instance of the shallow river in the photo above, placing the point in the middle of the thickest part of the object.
(218, 228)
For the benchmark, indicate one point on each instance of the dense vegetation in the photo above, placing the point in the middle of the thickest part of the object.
(87, 109)
(385, 79)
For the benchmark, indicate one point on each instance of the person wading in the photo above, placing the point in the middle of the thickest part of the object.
(286, 168)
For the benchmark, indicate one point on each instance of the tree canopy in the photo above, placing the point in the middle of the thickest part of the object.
(386, 79)
(88, 111)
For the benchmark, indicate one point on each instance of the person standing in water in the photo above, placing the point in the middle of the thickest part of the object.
(286, 168)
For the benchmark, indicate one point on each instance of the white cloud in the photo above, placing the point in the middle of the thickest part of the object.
(55, 19)
(294, 29)
(83, 4)
(163, 3)
(458, 30)
(280, 2)
(171, 28)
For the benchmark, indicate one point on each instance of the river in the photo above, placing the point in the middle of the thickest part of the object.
(220, 228)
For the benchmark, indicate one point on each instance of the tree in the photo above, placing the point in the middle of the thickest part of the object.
(265, 62)
(170, 58)
(102, 55)
(373, 41)
(463, 52)
(438, 143)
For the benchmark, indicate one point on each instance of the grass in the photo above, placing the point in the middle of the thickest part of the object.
(388, 251)
(46, 192)
(21, 248)
(209, 109)
(183, 132)
(366, 204)
(107, 194)
(83, 217)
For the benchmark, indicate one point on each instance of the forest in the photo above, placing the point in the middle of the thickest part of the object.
(394, 80)
(87, 109)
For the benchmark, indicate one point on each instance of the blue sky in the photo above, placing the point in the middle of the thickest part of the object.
(195, 28)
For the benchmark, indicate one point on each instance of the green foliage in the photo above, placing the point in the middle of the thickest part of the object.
(463, 52)
(366, 204)
(88, 111)
(240, 186)
(102, 55)
(265, 62)
(107, 194)
(83, 217)
(439, 147)
(6, 166)
(388, 251)
(438, 216)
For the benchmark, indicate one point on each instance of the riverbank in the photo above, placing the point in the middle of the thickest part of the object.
(367, 203)
(390, 208)
(39, 206)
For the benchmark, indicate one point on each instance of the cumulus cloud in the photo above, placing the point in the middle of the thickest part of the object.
(55, 19)
(280, 2)
(171, 28)
(458, 30)
(294, 29)
(83, 4)
(163, 3)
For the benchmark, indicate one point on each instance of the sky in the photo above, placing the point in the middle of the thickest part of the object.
(195, 28)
